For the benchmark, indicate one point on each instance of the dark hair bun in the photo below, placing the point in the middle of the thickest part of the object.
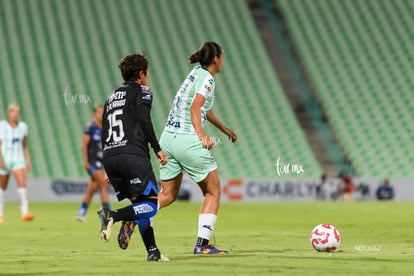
(206, 54)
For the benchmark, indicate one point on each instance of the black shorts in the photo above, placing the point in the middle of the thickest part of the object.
(95, 164)
(131, 176)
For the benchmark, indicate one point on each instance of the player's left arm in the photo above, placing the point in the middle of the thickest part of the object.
(26, 154)
(212, 118)
(144, 118)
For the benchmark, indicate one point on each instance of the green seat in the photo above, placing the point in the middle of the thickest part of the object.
(367, 90)
(75, 46)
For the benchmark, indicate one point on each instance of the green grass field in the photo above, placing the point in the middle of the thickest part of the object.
(263, 239)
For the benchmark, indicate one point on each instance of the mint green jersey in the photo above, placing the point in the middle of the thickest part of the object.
(12, 144)
(200, 81)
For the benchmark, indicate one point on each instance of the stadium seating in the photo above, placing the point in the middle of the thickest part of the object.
(359, 55)
(62, 57)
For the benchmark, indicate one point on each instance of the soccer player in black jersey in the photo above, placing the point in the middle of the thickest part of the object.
(126, 132)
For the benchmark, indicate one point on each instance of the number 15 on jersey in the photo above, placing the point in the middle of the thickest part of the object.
(116, 129)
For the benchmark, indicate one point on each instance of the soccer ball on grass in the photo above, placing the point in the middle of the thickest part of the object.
(325, 238)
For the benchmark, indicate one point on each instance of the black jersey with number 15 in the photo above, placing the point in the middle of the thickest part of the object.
(126, 122)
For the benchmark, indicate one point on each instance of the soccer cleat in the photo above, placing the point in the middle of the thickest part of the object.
(81, 218)
(125, 233)
(1, 219)
(208, 249)
(154, 257)
(106, 223)
(27, 217)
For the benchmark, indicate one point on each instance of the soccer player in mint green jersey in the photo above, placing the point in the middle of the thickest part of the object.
(14, 158)
(187, 145)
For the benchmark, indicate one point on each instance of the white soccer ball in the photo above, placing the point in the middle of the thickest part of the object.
(325, 238)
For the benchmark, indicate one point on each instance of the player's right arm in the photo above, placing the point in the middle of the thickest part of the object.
(85, 142)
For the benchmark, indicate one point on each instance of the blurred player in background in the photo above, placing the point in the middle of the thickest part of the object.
(126, 132)
(92, 160)
(15, 159)
(348, 188)
(321, 189)
(385, 191)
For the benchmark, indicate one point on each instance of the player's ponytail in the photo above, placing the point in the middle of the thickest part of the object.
(206, 53)
(194, 57)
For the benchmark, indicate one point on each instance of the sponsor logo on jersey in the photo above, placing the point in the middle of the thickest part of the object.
(135, 181)
(115, 104)
(114, 144)
(147, 93)
(172, 122)
(146, 89)
(117, 95)
(147, 97)
(96, 136)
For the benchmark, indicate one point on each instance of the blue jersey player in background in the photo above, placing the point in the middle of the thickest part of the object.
(92, 160)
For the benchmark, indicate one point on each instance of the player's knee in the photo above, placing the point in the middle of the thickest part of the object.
(213, 191)
(99, 177)
(144, 211)
(214, 194)
(169, 197)
(164, 200)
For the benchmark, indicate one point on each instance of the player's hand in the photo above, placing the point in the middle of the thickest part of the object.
(2, 165)
(28, 166)
(87, 166)
(207, 142)
(231, 134)
(162, 157)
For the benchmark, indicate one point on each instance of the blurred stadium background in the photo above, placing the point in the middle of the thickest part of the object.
(324, 84)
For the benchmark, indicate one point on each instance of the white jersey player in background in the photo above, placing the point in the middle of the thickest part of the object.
(14, 158)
